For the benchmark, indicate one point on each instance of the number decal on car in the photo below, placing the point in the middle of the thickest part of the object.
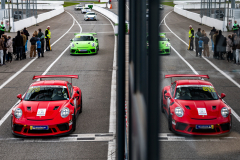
(210, 89)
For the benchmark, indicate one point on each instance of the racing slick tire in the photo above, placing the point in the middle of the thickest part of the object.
(74, 122)
(81, 106)
(170, 122)
(162, 110)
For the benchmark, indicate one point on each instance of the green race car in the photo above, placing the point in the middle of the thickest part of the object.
(84, 43)
(164, 45)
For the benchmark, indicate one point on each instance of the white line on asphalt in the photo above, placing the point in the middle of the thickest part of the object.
(9, 112)
(96, 24)
(214, 66)
(112, 118)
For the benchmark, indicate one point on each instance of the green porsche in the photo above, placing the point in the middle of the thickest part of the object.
(164, 45)
(84, 43)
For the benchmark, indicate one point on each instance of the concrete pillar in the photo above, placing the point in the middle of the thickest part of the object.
(232, 3)
(2, 4)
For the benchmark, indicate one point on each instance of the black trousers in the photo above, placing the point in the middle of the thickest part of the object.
(23, 53)
(4, 56)
(196, 44)
(215, 51)
(1, 33)
(42, 47)
(47, 45)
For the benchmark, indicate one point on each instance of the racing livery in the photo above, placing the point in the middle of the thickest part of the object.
(164, 45)
(193, 107)
(84, 43)
(78, 7)
(90, 16)
(48, 108)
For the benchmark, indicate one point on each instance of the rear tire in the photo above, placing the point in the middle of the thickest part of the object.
(74, 122)
(81, 105)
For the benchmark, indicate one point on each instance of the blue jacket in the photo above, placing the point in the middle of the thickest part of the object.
(200, 44)
(38, 44)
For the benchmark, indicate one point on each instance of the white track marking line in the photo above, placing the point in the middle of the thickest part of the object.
(9, 112)
(214, 66)
(112, 118)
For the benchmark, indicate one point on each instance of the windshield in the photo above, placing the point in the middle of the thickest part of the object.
(47, 93)
(83, 38)
(162, 38)
(79, 6)
(18, 12)
(90, 13)
(196, 93)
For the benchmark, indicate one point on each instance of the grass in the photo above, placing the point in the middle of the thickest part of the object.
(66, 4)
(168, 4)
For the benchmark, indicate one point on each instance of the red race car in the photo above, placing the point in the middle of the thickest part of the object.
(193, 107)
(48, 108)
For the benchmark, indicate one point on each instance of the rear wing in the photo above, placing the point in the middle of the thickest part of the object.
(186, 75)
(85, 33)
(55, 76)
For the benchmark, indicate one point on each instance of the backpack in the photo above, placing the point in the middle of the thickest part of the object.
(200, 44)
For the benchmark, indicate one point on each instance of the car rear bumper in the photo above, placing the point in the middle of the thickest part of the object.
(22, 128)
(189, 127)
(83, 51)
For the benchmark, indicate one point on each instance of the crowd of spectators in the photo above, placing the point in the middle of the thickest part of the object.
(15, 48)
(222, 47)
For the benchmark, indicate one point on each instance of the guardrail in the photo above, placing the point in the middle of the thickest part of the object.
(211, 22)
(27, 22)
(112, 16)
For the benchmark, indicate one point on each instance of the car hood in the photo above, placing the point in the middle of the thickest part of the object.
(31, 113)
(162, 44)
(194, 105)
(83, 44)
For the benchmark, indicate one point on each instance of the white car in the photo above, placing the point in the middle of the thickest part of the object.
(90, 16)
(85, 10)
(78, 7)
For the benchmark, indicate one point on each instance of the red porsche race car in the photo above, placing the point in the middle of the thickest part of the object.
(193, 107)
(48, 108)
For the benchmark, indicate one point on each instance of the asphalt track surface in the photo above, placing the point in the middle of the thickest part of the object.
(95, 75)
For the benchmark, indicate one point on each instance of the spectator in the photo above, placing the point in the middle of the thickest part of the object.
(1, 50)
(35, 33)
(203, 32)
(229, 47)
(39, 47)
(4, 48)
(221, 45)
(206, 47)
(33, 41)
(197, 36)
(211, 34)
(235, 27)
(24, 42)
(18, 41)
(26, 34)
(237, 42)
(41, 36)
(215, 55)
(234, 48)
(9, 49)
(200, 47)
(2, 29)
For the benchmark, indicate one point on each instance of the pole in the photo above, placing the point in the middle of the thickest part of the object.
(121, 80)
(22, 9)
(17, 10)
(9, 26)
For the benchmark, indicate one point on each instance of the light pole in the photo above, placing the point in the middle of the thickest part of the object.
(9, 27)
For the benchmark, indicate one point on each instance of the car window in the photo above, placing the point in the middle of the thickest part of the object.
(90, 13)
(70, 89)
(46, 93)
(173, 86)
(196, 93)
(83, 38)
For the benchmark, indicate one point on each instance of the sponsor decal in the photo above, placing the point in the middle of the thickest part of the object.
(173, 122)
(202, 111)
(41, 112)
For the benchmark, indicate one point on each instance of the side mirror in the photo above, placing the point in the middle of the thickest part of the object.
(71, 40)
(168, 39)
(223, 95)
(167, 95)
(19, 96)
(165, 91)
(77, 92)
(76, 95)
(97, 39)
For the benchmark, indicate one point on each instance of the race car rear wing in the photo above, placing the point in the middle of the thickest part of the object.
(186, 75)
(93, 33)
(55, 76)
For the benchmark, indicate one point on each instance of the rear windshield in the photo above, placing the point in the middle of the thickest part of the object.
(196, 93)
(90, 13)
(83, 38)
